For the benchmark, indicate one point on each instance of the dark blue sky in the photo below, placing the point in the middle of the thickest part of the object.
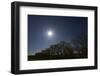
(63, 28)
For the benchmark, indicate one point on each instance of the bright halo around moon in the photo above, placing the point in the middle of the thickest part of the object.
(50, 33)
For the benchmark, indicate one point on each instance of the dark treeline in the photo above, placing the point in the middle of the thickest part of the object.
(76, 48)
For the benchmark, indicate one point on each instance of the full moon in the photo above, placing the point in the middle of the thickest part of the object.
(50, 33)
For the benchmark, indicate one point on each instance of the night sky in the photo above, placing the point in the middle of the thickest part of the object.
(63, 29)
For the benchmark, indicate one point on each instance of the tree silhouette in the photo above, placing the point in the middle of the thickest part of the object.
(80, 45)
(77, 48)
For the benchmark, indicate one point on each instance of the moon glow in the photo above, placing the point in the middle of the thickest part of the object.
(50, 33)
